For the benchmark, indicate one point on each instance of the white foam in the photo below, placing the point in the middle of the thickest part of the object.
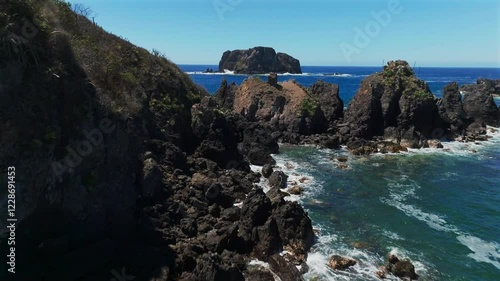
(483, 251)
(263, 183)
(232, 73)
(392, 235)
(259, 263)
(297, 172)
(366, 268)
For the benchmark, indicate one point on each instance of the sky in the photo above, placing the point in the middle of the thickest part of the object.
(439, 33)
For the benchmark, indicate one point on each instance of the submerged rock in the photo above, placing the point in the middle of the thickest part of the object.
(404, 269)
(400, 268)
(337, 262)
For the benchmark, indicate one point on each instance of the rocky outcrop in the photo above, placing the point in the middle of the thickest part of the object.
(258, 60)
(121, 154)
(337, 262)
(403, 269)
(451, 109)
(393, 104)
(488, 86)
(480, 107)
(327, 96)
(288, 107)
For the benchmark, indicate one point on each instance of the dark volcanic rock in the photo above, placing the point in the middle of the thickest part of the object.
(267, 170)
(294, 226)
(284, 269)
(329, 101)
(255, 210)
(217, 134)
(278, 179)
(394, 98)
(404, 269)
(341, 263)
(483, 85)
(479, 106)
(272, 79)
(211, 267)
(451, 109)
(258, 60)
(225, 95)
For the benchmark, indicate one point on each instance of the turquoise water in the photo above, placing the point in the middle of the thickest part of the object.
(440, 209)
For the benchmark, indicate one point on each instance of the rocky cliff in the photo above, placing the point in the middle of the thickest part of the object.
(397, 107)
(123, 163)
(258, 60)
(489, 86)
(394, 104)
(287, 108)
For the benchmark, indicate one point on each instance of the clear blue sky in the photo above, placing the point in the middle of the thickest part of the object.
(431, 33)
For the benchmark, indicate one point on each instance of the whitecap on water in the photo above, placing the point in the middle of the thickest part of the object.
(482, 251)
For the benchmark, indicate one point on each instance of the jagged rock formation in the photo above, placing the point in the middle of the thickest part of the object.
(287, 107)
(480, 107)
(451, 108)
(488, 86)
(123, 162)
(258, 60)
(393, 104)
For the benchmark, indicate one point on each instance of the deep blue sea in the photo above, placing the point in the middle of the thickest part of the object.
(438, 208)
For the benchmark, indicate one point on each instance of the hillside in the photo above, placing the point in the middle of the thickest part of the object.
(115, 166)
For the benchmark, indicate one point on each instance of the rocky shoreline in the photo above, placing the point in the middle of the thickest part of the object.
(168, 193)
(392, 111)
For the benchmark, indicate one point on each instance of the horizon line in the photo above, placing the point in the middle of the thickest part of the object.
(309, 65)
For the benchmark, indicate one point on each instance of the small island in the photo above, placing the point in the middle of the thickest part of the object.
(259, 60)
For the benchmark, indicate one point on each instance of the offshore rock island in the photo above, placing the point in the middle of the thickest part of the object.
(258, 60)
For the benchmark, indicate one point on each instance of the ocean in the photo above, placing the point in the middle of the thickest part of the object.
(440, 208)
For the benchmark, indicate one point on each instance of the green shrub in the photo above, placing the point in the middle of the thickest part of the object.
(308, 107)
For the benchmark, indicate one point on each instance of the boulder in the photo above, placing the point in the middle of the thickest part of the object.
(258, 60)
(283, 269)
(255, 210)
(400, 268)
(337, 262)
(260, 157)
(267, 170)
(267, 240)
(296, 190)
(278, 179)
(210, 267)
(434, 144)
(272, 79)
(259, 273)
(404, 269)
(294, 226)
